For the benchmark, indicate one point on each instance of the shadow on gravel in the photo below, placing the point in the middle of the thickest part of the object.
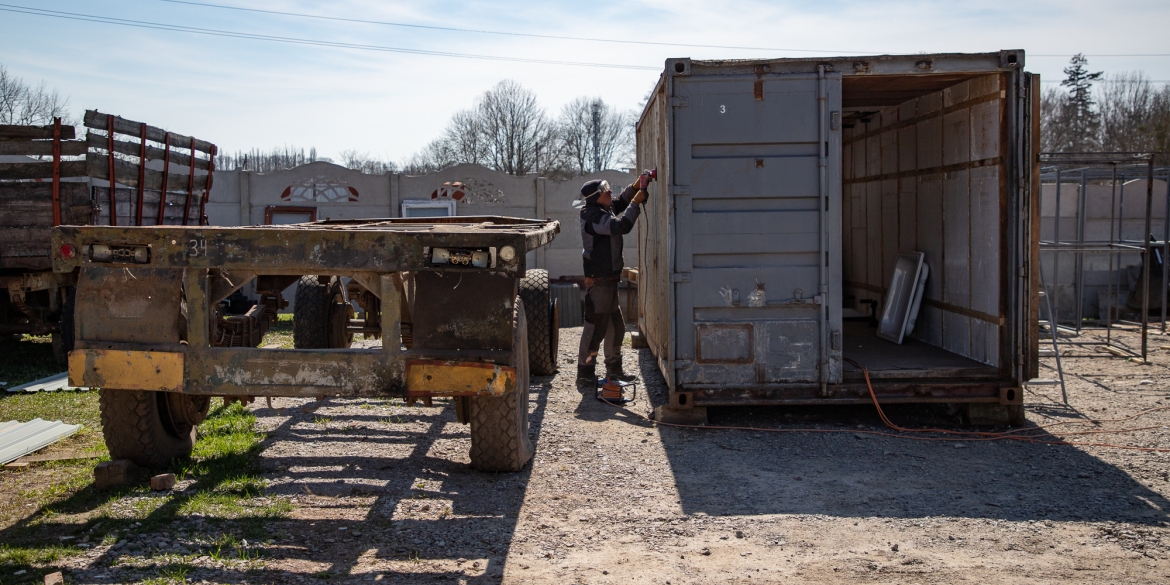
(328, 550)
(852, 474)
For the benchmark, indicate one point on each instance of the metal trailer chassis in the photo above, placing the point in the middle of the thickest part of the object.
(147, 304)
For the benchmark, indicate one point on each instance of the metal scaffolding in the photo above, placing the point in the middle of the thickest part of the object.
(1113, 169)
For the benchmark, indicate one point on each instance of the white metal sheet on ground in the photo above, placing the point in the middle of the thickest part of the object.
(48, 384)
(19, 439)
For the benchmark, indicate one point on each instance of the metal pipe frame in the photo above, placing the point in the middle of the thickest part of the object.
(1117, 168)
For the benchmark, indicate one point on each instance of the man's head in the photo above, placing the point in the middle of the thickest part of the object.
(597, 191)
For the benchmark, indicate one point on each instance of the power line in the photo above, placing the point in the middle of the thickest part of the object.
(496, 32)
(572, 38)
(298, 41)
(1107, 81)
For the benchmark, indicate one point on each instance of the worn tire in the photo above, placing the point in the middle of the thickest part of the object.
(320, 315)
(499, 424)
(542, 328)
(311, 314)
(139, 426)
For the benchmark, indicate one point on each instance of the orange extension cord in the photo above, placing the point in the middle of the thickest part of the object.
(965, 436)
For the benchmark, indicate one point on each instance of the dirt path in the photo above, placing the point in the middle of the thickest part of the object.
(382, 493)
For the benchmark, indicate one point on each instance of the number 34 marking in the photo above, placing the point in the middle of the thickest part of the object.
(196, 248)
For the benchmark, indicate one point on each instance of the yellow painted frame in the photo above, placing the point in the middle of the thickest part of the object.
(126, 369)
(448, 378)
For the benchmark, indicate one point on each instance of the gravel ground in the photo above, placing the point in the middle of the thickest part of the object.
(383, 493)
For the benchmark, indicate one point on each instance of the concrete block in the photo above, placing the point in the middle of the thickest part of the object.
(111, 474)
(55, 579)
(680, 416)
(162, 482)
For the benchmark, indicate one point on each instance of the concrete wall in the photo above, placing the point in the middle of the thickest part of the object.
(240, 198)
(1109, 214)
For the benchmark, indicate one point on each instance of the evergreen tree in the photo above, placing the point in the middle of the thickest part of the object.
(1081, 119)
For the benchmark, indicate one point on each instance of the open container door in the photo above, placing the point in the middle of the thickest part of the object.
(757, 277)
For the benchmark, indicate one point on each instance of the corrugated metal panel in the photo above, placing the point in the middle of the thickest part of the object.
(49, 384)
(19, 439)
(569, 302)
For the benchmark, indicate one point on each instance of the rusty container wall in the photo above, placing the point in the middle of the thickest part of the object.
(787, 189)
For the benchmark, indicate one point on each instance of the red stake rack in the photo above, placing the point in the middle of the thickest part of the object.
(162, 197)
(113, 181)
(56, 171)
(141, 171)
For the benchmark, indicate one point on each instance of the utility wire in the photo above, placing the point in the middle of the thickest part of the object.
(572, 38)
(299, 41)
(496, 32)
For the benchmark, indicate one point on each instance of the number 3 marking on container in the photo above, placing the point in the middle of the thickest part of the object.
(195, 246)
(722, 109)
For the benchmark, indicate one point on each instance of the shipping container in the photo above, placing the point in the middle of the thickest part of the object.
(788, 190)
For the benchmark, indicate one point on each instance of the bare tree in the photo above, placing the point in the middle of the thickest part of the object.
(508, 131)
(277, 159)
(25, 105)
(594, 135)
(514, 128)
(362, 161)
(1134, 116)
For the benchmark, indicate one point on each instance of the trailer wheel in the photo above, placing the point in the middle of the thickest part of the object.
(150, 428)
(543, 326)
(499, 424)
(321, 315)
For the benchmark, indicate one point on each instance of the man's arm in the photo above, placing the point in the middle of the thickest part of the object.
(601, 223)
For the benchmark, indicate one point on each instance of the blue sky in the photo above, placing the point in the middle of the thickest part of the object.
(245, 93)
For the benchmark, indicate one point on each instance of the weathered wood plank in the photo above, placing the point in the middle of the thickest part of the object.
(10, 132)
(40, 170)
(11, 193)
(127, 202)
(98, 121)
(127, 174)
(41, 147)
(178, 159)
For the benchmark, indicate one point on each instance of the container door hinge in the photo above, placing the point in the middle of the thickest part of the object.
(680, 364)
(679, 101)
(680, 277)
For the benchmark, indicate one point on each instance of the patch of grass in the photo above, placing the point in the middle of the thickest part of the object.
(170, 574)
(322, 420)
(322, 574)
(26, 556)
(25, 490)
(280, 333)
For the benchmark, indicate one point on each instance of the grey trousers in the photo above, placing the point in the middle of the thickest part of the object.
(603, 322)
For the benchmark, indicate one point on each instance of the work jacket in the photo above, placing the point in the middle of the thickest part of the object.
(602, 228)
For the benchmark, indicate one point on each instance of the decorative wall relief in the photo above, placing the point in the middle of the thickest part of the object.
(473, 191)
(320, 188)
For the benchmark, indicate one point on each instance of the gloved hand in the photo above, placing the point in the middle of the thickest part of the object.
(645, 178)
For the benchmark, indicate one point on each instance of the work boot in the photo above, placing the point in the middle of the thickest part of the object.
(586, 376)
(620, 376)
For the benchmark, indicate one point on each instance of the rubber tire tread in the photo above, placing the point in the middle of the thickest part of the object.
(311, 314)
(133, 428)
(534, 291)
(499, 424)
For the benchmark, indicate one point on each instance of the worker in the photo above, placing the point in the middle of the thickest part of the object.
(604, 220)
